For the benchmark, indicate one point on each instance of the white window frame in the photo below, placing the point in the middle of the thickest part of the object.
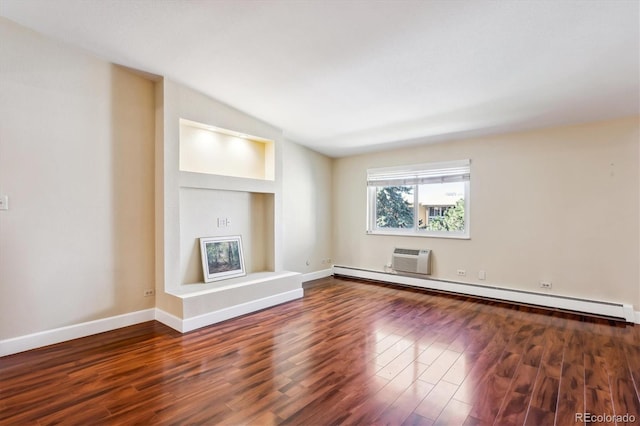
(415, 175)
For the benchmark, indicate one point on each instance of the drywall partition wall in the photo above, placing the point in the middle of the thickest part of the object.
(307, 209)
(197, 204)
(76, 159)
(167, 238)
(558, 205)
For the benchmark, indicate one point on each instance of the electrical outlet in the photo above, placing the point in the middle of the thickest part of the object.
(4, 202)
(462, 273)
(545, 285)
(149, 292)
(482, 275)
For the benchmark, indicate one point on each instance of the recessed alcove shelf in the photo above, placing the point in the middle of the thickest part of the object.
(249, 215)
(229, 183)
(213, 150)
(224, 174)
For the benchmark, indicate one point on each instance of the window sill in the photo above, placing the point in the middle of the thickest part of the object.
(420, 234)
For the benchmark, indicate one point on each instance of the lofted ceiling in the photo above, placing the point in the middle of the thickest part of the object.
(351, 76)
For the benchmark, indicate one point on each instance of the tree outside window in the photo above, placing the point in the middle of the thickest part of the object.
(393, 208)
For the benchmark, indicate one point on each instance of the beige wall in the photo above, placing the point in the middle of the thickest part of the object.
(307, 198)
(560, 205)
(76, 159)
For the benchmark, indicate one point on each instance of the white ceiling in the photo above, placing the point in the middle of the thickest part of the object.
(345, 77)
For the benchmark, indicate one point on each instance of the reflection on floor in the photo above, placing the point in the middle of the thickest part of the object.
(349, 352)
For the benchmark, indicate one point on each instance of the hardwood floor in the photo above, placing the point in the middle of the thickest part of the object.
(347, 353)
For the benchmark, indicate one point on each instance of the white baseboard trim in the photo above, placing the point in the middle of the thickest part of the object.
(193, 323)
(610, 309)
(168, 319)
(49, 337)
(637, 317)
(317, 275)
(18, 344)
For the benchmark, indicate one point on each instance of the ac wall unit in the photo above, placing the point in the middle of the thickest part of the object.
(413, 261)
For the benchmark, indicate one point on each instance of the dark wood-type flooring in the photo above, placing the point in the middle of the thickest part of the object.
(350, 353)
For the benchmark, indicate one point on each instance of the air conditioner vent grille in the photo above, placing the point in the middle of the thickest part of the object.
(412, 252)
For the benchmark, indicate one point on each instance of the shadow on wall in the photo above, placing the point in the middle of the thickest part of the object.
(132, 190)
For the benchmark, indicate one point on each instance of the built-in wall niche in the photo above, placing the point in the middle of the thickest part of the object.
(248, 214)
(213, 150)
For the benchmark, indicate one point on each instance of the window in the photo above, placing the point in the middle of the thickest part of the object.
(439, 211)
(425, 199)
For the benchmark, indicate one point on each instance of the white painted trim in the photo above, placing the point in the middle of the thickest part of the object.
(168, 319)
(49, 337)
(637, 317)
(75, 331)
(629, 314)
(310, 276)
(611, 309)
(189, 324)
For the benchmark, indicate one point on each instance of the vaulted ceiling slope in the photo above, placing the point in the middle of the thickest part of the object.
(345, 77)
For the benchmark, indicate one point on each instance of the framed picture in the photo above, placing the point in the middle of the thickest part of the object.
(222, 258)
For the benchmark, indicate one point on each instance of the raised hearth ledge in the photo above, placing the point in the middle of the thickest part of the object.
(186, 291)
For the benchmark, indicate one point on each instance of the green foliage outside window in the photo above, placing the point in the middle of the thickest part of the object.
(392, 209)
(452, 220)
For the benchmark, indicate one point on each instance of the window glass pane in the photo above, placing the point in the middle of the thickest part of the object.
(394, 207)
(441, 206)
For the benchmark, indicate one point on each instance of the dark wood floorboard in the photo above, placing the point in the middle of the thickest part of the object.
(349, 352)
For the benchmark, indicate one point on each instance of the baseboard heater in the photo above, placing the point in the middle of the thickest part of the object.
(620, 311)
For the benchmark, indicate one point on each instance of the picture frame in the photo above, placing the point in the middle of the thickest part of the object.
(222, 258)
